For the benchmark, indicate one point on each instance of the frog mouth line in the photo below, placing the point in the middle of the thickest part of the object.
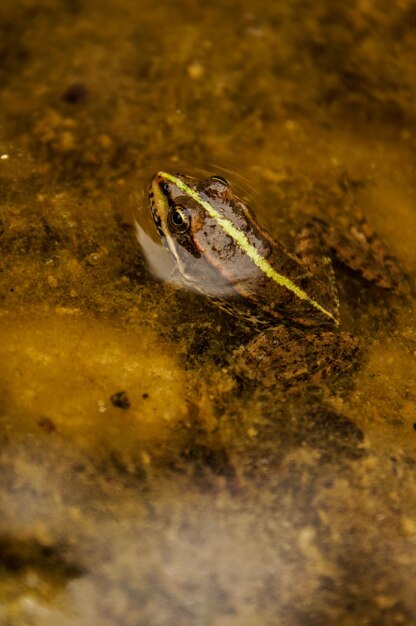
(167, 243)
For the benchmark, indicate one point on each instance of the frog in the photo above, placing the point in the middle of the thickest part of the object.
(218, 249)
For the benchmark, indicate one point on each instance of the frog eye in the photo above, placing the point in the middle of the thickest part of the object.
(178, 220)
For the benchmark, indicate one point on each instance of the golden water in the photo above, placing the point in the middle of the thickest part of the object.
(200, 504)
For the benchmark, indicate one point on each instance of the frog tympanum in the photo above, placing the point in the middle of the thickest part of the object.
(220, 250)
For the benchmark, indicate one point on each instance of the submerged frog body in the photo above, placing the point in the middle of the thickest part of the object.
(220, 250)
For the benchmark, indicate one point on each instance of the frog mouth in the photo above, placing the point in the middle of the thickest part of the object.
(178, 272)
(155, 213)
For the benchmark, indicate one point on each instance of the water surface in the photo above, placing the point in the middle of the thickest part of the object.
(201, 502)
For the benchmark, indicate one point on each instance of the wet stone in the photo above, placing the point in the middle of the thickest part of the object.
(75, 93)
(120, 400)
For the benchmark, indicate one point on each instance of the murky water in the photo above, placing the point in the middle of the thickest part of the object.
(191, 499)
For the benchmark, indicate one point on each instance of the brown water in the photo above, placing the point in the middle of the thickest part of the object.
(199, 504)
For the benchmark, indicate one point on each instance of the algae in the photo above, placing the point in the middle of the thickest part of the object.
(204, 501)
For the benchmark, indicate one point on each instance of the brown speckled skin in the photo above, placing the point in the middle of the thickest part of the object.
(299, 343)
(292, 356)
